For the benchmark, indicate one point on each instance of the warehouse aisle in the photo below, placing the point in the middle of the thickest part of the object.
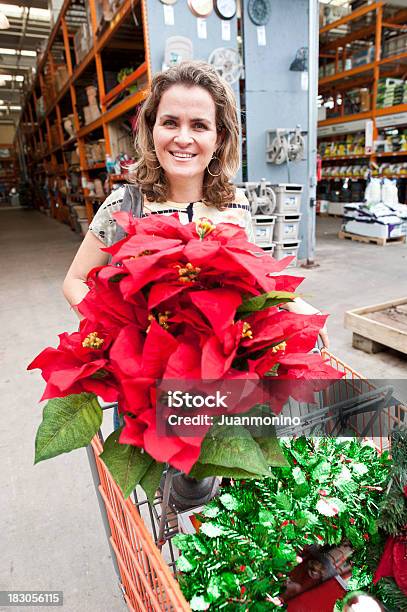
(52, 534)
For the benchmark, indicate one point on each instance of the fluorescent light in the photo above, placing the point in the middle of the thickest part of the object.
(9, 77)
(13, 108)
(24, 52)
(4, 23)
(17, 11)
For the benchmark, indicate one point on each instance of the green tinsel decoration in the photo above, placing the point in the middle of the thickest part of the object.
(252, 535)
(392, 520)
(393, 508)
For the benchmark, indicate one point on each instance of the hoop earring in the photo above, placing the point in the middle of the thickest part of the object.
(207, 167)
(159, 166)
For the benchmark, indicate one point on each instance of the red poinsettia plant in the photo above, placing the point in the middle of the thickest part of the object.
(194, 301)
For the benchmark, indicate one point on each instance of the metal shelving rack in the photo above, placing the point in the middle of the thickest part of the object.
(368, 24)
(8, 168)
(45, 144)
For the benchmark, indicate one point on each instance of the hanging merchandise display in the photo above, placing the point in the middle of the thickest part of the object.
(284, 145)
(201, 8)
(259, 11)
(225, 9)
(177, 49)
(227, 63)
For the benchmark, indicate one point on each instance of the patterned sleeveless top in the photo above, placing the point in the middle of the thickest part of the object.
(103, 225)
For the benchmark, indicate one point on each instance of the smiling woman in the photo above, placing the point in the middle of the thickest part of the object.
(187, 143)
(191, 111)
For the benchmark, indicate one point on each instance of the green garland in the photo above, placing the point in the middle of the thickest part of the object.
(392, 519)
(252, 535)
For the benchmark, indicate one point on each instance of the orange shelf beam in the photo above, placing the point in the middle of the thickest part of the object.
(392, 110)
(347, 73)
(351, 17)
(116, 22)
(345, 118)
(394, 58)
(124, 106)
(113, 93)
(391, 154)
(344, 157)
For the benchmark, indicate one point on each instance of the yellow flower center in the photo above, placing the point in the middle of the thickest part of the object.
(188, 273)
(92, 341)
(161, 319)
(204, 227)
(279, 347)
(146, 252)
(247, 331)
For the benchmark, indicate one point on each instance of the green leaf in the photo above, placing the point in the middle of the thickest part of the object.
(199, 545)
(210, 510)
(304, 518)
(271, 449)
(359, 468)
(283, 502)
(211, 530)
(198, 602)
(151, 479)
(267, 517)
(126, 463)
(200, 471)
(299, 476)
(67, 423)
(321, 471)
(182, 541)
(233, 447)
(230, 502)
(213, 589)
(184, 565)
(266, 300)
(301, 490)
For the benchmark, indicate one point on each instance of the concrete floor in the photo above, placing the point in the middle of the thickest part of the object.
(52, 535)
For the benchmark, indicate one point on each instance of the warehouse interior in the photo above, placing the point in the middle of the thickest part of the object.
(321, 92)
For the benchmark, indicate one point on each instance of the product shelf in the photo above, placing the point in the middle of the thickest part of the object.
(370, 34)
(391, 154)
(347, 74)
(345, 157)
(78, 49)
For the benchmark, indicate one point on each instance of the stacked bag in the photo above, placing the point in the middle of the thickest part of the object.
(380, 216)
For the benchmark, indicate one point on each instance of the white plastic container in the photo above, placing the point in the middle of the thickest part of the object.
(287, 227)
(288, 198)
(285, 249)
(263, 226)
(269, 249)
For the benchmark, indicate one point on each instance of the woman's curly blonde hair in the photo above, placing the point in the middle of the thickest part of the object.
(147, 173)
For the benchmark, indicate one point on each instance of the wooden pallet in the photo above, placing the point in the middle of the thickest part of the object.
(371, 239)
(380, 326)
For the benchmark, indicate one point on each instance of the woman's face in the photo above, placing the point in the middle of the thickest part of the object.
(185, 135)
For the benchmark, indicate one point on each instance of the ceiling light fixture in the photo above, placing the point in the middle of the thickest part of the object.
(4, 22)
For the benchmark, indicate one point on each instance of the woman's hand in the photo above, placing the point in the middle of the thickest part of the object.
(300, 306)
